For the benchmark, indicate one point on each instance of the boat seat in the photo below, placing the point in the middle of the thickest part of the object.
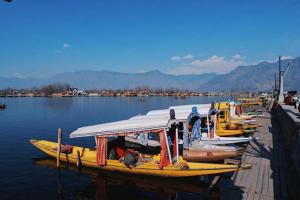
(66, 149)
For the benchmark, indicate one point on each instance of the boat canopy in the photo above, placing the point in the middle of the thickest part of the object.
(155, 120)
(124, 126)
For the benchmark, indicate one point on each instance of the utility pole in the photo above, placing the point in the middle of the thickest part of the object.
(275, 86)
(279, 73)
(280, 97)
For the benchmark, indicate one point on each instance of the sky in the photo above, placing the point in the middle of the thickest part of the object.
(42, 38)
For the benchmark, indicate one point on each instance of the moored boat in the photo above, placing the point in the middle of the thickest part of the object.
(147, 165)
(201, 152)
(152, 165)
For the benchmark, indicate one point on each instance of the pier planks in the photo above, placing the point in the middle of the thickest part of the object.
(272, 175)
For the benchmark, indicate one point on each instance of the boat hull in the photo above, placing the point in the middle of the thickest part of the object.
(225, 140)
(151, 168)
(196, 155)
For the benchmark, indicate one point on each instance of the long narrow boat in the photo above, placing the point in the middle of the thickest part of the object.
(217, 140)
(170, 185)
(157, 165)
(200, 152)
(147, 166)
(182, 113)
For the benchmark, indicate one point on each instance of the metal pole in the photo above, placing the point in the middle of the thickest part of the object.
(208, 129)
(279, 74)
(280, 97)
(215, 124)
(168, 148)
(177, 149)
(275, 87)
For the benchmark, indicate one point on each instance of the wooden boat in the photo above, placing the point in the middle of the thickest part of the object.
(201, 152)
(148, 165)
(250, 101)
(197, 155)
(169, 185)
(183, 111)
(217, 140)
(153, 165)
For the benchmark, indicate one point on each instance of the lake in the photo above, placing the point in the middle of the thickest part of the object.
(27, 173)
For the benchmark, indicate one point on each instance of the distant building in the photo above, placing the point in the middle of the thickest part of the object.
(93, 94)
(72, 91)
(82, 93)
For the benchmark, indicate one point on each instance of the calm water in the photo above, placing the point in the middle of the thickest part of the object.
(26, 173)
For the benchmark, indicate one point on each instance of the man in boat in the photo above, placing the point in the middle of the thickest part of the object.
(212, 110)
(194, 125)
(116, 148)
(172, 133)
(232, 109)
(212, 114)
(118, 151)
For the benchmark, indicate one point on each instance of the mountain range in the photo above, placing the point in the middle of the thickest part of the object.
(259, 77)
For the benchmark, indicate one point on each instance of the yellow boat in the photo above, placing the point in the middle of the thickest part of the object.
(225, 127)
(153, 184)
(226, 122)
(147, 167)
(250, 101)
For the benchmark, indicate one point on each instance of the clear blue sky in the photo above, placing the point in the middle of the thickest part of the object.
(41, 38)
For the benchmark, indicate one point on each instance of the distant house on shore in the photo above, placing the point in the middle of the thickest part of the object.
(72, 91)
(93, 94)
(130, 94)
(77, 92)
(82, 93)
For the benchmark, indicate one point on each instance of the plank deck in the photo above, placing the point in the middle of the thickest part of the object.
(272, 175)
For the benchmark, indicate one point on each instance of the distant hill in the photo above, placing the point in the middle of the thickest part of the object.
(258, 77)
(88, 79)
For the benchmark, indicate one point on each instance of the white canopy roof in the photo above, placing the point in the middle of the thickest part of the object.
(124, 126)
(153, 120)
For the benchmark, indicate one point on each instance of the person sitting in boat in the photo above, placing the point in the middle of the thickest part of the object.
(194, 123)
(172, 132)
(130, 158)
(118, 151)
(212, 110)
(116, 148)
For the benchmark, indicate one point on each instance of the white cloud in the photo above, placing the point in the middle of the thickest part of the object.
(238, 57)
(185, 57)
(272, 60)
(286, 57)
(66, 45)
(19, 75)
(213, 64)
(175, 58)
(188, 57)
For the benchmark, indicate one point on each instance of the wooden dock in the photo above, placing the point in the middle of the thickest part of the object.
(272, 175)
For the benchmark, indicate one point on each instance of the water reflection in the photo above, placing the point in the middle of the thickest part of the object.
(59, 103)
(108, 185)
(2, 106)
